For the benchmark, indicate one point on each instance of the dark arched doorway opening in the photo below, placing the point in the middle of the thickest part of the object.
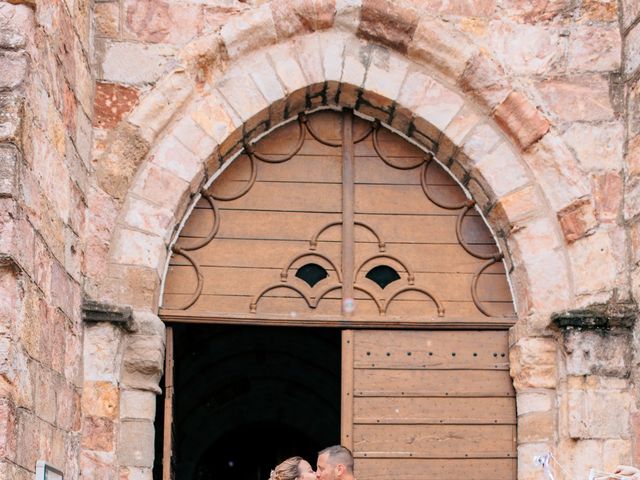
(247, 397)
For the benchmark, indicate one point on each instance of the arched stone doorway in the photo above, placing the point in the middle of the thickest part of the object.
(415, 72)
(338, 222)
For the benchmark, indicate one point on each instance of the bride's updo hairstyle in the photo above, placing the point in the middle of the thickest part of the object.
(287, 470)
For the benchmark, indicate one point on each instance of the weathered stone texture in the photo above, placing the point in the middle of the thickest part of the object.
(156, 21)
(14, 68)
(598, 410)
(388, 23)
(10, 116)
(9, 157)
(138, 404)
(299, 17)
(593, 48)
(112, 173)
(577, 219)
(134, 63)
(533, 363)
(578, 98)
(632, 50)
(630, 12)
(597, 146)
(434, 45)
(44, 84)
(144, 361)
(98, 434)
(485, 81)
(521, 119)
(608, 190)
(107, 19)
(593, 261)
(597, 353)
(112, 102)
(536, 427)
(249, 31)
(528, 49)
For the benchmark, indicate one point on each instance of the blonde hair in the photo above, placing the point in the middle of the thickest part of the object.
(287, 470)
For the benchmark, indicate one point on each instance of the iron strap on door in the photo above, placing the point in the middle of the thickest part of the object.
(348, 194)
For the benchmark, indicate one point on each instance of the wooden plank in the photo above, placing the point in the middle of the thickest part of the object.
(432, 383)
(300, 168)
(284, 139)
(250, 281)
(325, 123)
(274, 253)
(167, 441)
(325, 197)
(346, 410)
(390, 145)
(427, 229)
(248, 224)
(372, 170)
(470, 349)
(407, 312)
(443, 410)
(435, 439)
(337, 321)
(403, 199)
(326, 169)
(400, 229)
(428, 469)
(287, 197)
(261, 225)
(275, 146)
(368, 172)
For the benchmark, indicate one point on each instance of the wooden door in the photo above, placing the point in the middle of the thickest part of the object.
(421, 405)
(332, 220)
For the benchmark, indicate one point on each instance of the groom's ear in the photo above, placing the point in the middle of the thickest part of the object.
(340, 469)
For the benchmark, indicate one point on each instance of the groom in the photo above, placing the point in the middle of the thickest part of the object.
(335, 463)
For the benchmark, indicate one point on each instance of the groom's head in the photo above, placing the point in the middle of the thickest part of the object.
(335, 463)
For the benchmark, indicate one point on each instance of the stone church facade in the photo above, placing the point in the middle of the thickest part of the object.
(115, 113)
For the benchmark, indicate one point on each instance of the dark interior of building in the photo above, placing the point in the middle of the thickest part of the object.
(248, 397)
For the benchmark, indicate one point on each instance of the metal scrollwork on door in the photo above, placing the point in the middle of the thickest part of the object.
(463, 207)
(212, 200)
(312, 294)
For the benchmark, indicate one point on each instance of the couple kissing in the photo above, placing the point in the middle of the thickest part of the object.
(334, 463)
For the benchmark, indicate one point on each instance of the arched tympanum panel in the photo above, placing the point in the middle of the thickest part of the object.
(332, 218)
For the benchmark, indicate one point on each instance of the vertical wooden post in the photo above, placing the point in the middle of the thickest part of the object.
(167, 445)
(346, 407)
(348, 193)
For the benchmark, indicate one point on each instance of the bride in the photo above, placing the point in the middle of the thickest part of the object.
(294, 468)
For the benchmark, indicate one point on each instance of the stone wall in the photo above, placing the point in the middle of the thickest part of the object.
(46, 106)
(630, 27)
(541, 108)
(565, 84)
(542, 77)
